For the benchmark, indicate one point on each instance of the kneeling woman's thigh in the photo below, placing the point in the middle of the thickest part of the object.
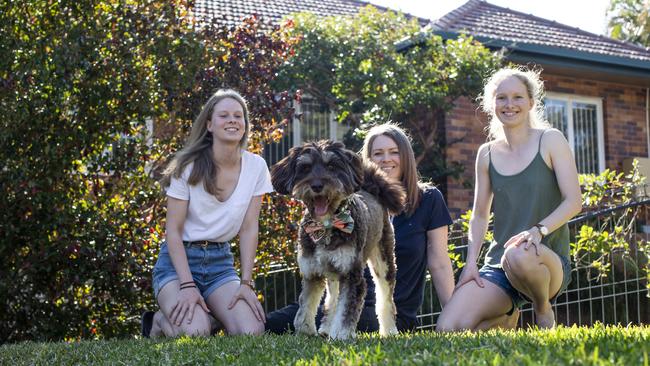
(471, 304)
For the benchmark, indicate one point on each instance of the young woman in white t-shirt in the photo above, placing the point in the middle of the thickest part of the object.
(214, 192)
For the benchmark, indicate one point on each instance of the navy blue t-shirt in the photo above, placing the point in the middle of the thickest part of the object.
(411, 253)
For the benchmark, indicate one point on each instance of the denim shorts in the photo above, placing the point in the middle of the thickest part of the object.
(211, 267)
(498, 277)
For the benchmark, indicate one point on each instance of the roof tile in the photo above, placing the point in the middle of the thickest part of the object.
(230, 12)
(480, 18)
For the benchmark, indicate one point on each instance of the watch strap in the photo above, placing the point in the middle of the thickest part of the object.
(249, 283)
(539, 229)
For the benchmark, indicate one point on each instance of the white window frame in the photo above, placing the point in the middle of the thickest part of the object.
(297, 135)
(598, 102)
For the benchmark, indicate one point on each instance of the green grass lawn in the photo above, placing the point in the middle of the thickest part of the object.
(593, 345)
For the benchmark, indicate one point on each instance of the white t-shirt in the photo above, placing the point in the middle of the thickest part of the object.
(210, 219)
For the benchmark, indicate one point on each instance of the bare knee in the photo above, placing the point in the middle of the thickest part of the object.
(516, 261)
(450, 321)
(196, 328)
(249, 328)
(201, 329)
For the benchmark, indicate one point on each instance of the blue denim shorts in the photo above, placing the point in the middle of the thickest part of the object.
(211, 267)
(498, 277)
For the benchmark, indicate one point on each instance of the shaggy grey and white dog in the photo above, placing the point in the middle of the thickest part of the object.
(346, 224)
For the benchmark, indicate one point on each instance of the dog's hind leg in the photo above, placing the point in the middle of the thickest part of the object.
(330, 306)
(350, 302)
(382, 265)
(312, 291)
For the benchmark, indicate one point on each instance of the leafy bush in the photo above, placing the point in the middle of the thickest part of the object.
(612, 234)
(82, 213)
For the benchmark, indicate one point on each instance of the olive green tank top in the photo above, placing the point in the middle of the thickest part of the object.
(521, 201)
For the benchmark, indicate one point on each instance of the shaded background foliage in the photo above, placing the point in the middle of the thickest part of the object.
(81, 212)
(352, 65)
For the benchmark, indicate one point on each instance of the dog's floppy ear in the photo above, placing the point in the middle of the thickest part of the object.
(356, 164)
(283, 172)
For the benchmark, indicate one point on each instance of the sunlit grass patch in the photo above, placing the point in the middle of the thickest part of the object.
(563, 346)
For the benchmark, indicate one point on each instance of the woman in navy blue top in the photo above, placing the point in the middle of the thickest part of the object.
(420, 230)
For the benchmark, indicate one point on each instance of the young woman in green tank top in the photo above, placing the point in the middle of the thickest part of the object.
(527, 174)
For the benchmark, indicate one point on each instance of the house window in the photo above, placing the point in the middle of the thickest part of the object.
(581, 121)
(313, 121)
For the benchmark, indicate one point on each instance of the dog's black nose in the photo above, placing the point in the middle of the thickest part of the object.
(317, 187)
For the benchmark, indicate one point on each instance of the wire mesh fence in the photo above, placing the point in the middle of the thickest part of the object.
(615, 294)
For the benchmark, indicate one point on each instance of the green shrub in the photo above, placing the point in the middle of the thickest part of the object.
(81, 211)
(613, 235)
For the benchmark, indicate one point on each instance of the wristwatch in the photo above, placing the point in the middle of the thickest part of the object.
(249, 283)
(543, 230)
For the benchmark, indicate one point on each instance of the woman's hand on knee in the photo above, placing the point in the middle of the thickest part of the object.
(469, 273)
(250, 298)
(528, 238)
(188, 298)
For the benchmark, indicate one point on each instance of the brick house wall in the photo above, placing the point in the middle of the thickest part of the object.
(624, 122)
(465, 132)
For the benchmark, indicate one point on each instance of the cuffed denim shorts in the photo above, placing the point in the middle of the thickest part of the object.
(211, 266)
(498, 277)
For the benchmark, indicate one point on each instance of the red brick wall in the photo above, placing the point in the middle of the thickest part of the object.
(465, 126)
(624, 122)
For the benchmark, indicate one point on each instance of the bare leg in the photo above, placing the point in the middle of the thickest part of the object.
(539, 277)
(199, 326)
(238, 320)
(504, 321)
(464, 312)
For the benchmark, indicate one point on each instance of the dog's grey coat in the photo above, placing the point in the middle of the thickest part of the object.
(327, 170)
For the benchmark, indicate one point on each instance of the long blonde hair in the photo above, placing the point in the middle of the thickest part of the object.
(410, 176)
(535, 88)
(198, 147)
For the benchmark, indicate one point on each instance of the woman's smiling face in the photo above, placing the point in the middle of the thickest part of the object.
(385, 153)
(227, 123)
(512, 102)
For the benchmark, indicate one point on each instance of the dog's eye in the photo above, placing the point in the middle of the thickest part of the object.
(303, 168)
(331, 167)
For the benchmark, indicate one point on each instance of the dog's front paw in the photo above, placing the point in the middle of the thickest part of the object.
(342, 334)
(304, 327)
(325, 326)
(388, 331)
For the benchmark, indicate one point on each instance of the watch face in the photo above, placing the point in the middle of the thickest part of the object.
(543, 230)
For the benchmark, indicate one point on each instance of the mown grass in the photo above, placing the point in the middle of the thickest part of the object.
(564, 346)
